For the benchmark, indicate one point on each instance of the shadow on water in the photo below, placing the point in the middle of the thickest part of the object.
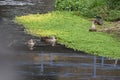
(44, 62)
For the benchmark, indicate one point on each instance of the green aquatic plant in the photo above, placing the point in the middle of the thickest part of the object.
(71, 31)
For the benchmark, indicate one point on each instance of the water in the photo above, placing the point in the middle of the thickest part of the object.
(68, 66)
(11, 2)
(44, 62)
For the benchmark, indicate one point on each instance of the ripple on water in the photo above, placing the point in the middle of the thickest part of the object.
(11, 2)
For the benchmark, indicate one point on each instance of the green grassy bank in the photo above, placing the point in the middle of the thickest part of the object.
(71, 31)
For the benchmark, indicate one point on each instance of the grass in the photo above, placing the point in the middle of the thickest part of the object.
(71, 31)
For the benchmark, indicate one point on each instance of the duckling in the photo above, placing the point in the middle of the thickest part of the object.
(93, 28)
(30, 44)
(51, 40)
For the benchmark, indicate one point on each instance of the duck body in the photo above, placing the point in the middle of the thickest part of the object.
(51, 40)
(98, 20)
(31, 44)
(93, 28)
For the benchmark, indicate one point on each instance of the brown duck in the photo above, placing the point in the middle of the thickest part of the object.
(93, 28)
(98, 20)
(51, 40)
(30, 44)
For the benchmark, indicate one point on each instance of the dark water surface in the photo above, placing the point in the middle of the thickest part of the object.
(45, 62)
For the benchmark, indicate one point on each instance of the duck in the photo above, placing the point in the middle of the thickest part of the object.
(51, 40)
(99, 20)
(93, 28)
(30, 43)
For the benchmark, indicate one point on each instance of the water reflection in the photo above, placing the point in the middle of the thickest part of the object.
(65, 66)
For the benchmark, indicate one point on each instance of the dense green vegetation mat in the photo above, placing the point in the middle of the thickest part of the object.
(71, 31)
